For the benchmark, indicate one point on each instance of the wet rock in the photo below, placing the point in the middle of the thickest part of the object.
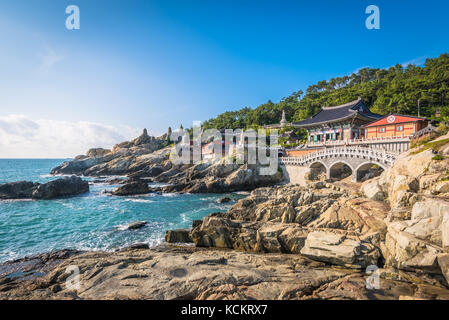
(132, 188)
(17, 190)
(35, 266)
(224, 200)
(136, 225)
(67, 186)
(138, 246)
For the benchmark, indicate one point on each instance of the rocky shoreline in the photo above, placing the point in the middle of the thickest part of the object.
(319, 241)
(167, 272)
(147, 159)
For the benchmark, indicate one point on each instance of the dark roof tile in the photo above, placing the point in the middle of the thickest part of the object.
(342, 112)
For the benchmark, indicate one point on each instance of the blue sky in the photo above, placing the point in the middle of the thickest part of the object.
(154, 64)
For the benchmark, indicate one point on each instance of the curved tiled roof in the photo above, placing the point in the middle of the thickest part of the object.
(339, 113)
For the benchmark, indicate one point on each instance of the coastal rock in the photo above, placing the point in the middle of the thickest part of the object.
(125, 158)
(416, 243)
(283, 204)
(414, 173)
(132, 188)
(33, 267)
(136, 225)
(197, 274)
(78, 166)
(404, 251)
(222, 233)
(286, 238)
(249, 236)
(178, 236)
(339, 249)
(224, 200)
(442, 187)
(372, 190)
(443, 262)
(402, 179)
(67, 186)
(97, 152)
(17, 190)
(353, 214)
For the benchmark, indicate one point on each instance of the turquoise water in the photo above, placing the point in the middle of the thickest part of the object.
(94, 221)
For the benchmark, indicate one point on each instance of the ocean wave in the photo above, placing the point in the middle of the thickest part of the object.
(139, 200)
(242, 192)
(16, 200)
(170, 195)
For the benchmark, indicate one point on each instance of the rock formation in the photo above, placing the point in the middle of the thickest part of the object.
(66, 186)
(17, 190)
(132, 188)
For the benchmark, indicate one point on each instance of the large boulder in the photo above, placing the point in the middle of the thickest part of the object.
(17, 190)
(280, 237)
(352, 214)
(443, 262)
(223, 233)
(136, 225)
(132, 188)
(416, 243)
(97, 152)
(404, 251)
(340, 249)
(240, 178)
(372, 190)
(67, 186)
(441, 187)
(178, 236)
(402, 180)
(249, 236)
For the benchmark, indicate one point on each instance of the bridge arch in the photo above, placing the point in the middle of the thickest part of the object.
(358, 159)
(340, 169)
(316, 168)
(363, 169)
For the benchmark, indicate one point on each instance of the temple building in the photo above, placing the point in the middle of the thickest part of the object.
(395, 126)
(338, 123)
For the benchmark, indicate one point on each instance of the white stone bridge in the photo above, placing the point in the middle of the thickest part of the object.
(332, 160)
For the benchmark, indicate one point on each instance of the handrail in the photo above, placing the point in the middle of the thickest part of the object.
(361, 141)
(387, 157)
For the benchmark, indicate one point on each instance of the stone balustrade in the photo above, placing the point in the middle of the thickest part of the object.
(357, 158)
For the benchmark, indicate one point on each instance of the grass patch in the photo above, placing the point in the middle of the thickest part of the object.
(438, 157)
(434, 145)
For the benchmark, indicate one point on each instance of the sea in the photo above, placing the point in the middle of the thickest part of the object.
(92, 221)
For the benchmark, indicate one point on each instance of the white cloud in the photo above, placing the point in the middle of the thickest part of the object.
(417, 62)
(21, 137)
